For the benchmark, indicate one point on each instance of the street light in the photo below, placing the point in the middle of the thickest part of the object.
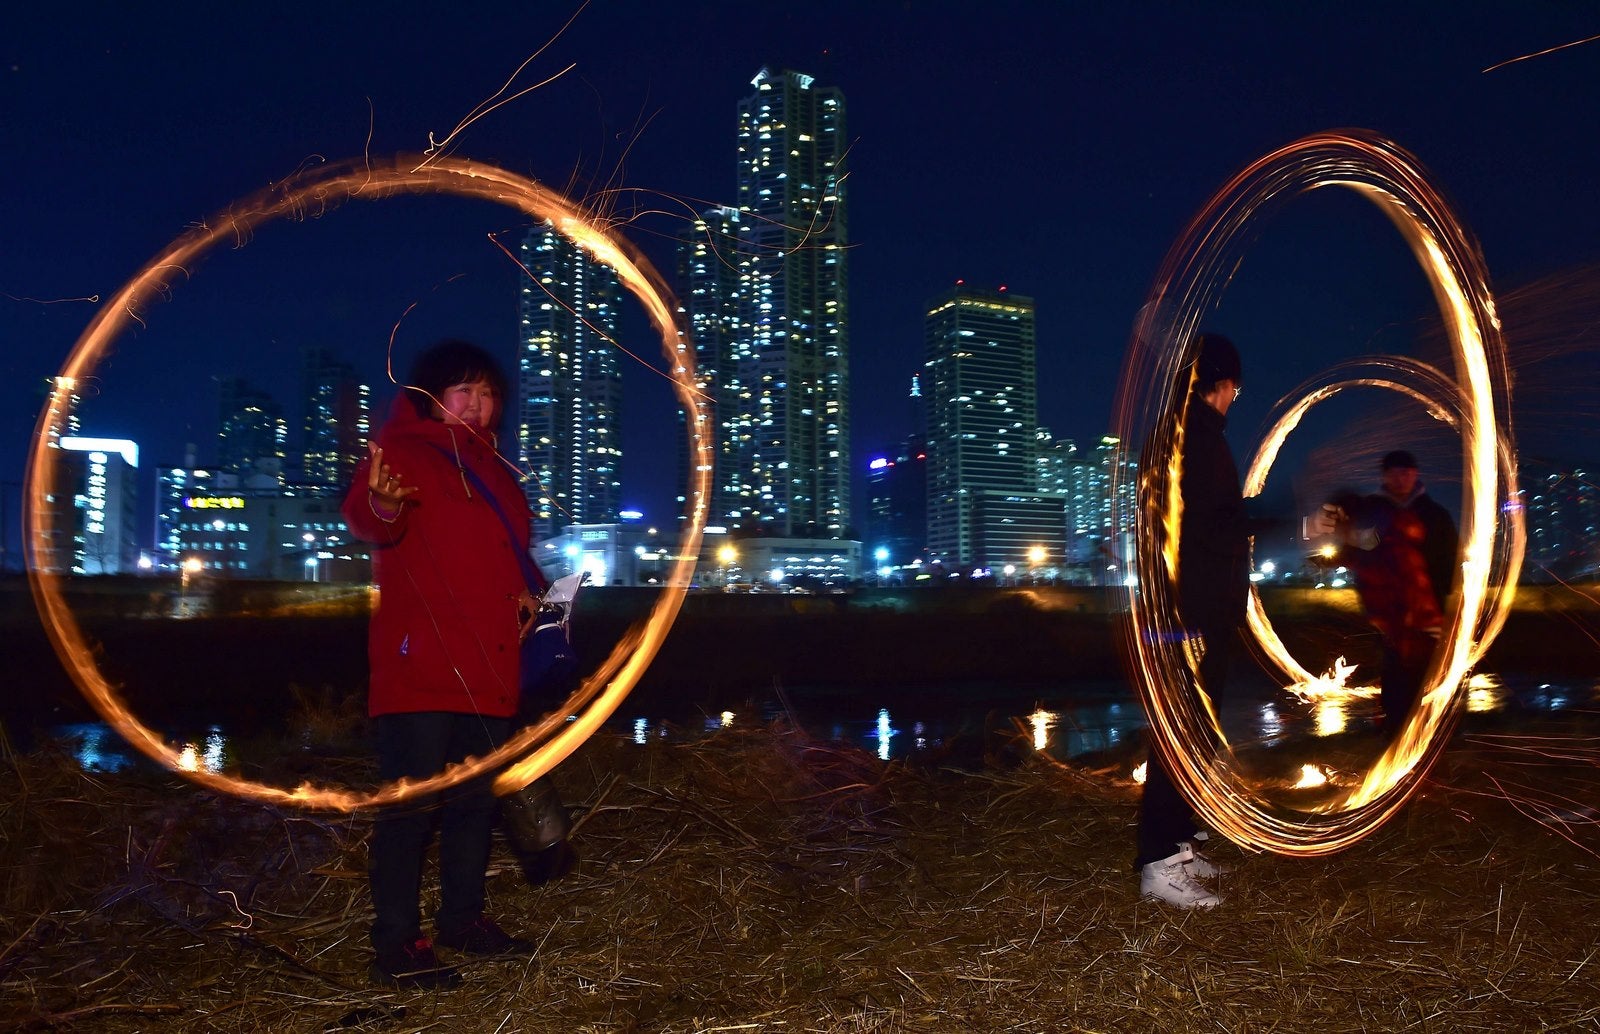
(727, 556)
(1036, 555)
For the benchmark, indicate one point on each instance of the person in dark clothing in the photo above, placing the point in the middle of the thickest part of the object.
(1213, 587)
(1402, 547)
(443, 649)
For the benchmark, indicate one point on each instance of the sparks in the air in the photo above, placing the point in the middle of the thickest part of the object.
(1473, 396)
(552, 739)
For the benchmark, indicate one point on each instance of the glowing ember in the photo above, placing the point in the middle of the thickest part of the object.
(1139, 772)
(1484, 692)
(317, 194)
(1041, 720)
(1329, 683)
(1311, 775)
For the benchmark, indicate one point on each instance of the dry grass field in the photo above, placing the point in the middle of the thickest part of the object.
(755, 880)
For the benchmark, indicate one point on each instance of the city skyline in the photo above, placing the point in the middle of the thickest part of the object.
(1057, 153)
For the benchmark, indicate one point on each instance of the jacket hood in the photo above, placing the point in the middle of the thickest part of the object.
(404, 422)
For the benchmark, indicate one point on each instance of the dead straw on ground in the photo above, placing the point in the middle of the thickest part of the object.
(755, 880)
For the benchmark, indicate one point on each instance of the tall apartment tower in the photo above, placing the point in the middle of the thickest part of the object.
(337, 420)
(727, 372)
(252, 434)
(765, 289)
(569, 385)
(985, 506)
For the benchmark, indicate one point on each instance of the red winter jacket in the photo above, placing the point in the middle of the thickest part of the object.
(1393, 583)
(444, 632)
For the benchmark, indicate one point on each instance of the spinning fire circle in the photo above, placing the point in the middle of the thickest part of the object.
(1185, 731)
(533, 751)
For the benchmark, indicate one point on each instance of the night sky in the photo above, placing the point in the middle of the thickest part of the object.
(1052, 149)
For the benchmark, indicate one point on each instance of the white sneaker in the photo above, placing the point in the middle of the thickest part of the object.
(1203, 867)
(1170, 880)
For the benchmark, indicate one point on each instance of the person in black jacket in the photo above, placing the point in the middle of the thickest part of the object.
(1213, 586)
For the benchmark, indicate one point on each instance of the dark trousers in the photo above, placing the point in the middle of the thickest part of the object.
(1401, 685)
(416, 746)
(1165, 818)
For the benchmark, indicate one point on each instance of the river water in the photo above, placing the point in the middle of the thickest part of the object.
(1074, 722)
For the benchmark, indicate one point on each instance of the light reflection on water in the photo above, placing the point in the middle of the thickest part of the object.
(98, 749)
(1096, 724)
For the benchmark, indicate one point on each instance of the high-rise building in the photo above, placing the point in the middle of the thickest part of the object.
(985, 506)
(569, 385)
(768, 287)
(710, 266)
(337, 420)
(64, 398)
(897, 501)
(1561, 506)
(252, 434)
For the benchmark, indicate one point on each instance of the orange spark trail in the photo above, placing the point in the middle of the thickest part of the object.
(1541, 53)
(1151, 398)
(320, 192)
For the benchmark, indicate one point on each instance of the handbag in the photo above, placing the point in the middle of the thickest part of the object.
(537, 824)
(534, 816)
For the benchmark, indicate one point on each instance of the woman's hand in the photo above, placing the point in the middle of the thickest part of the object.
(388, 494)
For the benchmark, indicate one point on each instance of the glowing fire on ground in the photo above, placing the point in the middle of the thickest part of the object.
(1311, 775)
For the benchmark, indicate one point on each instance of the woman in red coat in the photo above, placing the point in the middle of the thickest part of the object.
(446, 519)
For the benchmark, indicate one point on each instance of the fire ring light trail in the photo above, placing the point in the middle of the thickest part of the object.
(314, 195)
(1435, 393)
(1183, 722)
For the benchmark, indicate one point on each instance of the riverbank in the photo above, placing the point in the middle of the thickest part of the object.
(756, 881)
(266, 645)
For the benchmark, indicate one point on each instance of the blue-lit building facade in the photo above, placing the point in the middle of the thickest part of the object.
(94, 508)
(624, 552)
(569, 385)
(262, 535)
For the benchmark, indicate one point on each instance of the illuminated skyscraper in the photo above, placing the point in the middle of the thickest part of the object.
(765, 290)
(985, 506)
(252, 433)
(569, 385)
(64, 399)
(709, 272)
(337, 419)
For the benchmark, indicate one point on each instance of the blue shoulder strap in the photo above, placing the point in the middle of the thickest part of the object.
(530, 571)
